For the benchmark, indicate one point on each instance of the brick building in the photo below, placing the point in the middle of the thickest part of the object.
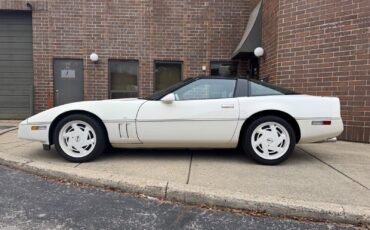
(315, 47)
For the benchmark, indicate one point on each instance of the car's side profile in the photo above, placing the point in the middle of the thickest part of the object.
(204, 112)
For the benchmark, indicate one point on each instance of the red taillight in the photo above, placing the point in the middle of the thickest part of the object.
(326, 122)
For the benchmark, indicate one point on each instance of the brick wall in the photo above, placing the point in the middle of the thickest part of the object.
(323, 48)
(268, 62)
(192, 31)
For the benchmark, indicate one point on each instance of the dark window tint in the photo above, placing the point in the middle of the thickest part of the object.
(259, 88)
(226, 68)
(167, 74)
(123, 78)
(206, 89)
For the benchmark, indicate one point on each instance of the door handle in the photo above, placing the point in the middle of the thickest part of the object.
(227, 106)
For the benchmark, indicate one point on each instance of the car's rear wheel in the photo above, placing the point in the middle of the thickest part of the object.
(79, 138)
(269, 140)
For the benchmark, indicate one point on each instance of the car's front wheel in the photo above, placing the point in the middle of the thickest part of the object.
(79, 138)
(269, 140)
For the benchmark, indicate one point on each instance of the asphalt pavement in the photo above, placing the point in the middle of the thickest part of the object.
(32, 202)
(324, 182)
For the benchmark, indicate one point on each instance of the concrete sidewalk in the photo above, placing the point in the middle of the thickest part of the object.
(329, 181)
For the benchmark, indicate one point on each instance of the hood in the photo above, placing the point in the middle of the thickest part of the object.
(115, 109)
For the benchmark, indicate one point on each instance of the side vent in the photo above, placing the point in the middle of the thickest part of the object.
(127, 132)
(123, 131)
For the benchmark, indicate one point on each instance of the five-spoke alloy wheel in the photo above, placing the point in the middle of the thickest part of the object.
(269, 140)
(79, 138)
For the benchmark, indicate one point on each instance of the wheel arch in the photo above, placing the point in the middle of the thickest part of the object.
(287, 117)
(65, 114)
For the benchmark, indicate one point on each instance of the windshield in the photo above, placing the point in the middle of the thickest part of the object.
(159, 94)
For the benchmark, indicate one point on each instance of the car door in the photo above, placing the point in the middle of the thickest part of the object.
(203, 114)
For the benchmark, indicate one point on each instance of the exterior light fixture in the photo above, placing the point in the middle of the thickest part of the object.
(94, 57)
(258, 52)
(29, 5)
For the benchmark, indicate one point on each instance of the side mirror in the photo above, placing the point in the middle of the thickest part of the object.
(168, 99)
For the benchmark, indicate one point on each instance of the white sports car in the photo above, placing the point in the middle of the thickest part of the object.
(203, 112)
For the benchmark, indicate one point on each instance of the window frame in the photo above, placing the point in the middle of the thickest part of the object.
(165, 62)
(242, 87)
(110, 91)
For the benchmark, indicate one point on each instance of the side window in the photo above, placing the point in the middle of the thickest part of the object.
(258, 89)
(206, 89)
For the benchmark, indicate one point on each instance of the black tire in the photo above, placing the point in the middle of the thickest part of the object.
(101, 138)
(247, 140)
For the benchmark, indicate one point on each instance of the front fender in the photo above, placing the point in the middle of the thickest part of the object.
(107, 110)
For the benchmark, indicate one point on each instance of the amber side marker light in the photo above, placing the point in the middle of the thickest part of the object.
(321, 122)
(37, 127)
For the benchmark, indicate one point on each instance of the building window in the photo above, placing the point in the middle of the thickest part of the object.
(167, 74)
(123, 78)
(224, 68)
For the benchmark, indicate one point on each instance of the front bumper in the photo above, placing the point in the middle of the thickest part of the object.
(25, 132)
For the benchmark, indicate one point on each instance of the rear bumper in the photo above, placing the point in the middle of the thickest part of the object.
(315, 133)
(25, 132)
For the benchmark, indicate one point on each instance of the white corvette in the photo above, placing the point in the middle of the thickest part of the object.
(204, 112)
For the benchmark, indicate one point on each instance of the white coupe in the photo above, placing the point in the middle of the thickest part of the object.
(203, 112)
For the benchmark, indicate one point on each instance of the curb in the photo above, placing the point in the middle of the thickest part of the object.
(8, 130)
(148, 187)
(195, 194)
(273, 206)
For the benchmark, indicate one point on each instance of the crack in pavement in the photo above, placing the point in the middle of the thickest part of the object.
(11, 142)
(344, 211)
(335, 169)
(191, 161)
(165, 190)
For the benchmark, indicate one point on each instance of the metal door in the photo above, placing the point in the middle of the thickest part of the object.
(68, 81)
(16, 68)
